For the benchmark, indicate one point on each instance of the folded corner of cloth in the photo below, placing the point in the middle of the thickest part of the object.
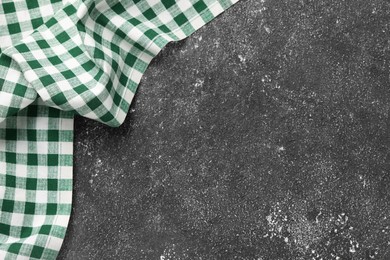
(90, 56)
(64, 65)
(15, 92)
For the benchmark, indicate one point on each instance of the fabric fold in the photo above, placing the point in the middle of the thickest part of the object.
(90, 56)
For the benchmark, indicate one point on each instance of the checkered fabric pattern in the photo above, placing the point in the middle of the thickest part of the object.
(60, 58)
(35, 182)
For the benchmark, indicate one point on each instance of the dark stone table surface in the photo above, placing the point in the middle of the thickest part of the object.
(265, 135)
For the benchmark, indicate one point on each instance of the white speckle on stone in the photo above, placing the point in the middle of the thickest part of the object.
(242, 58)
(267, 29)
(199, 82)
(98, 163)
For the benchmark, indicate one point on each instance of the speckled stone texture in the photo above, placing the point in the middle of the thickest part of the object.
(265, 135)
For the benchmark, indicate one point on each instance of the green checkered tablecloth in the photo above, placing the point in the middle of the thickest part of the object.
(60, 58)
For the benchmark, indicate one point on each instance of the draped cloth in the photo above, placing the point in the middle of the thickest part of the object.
(61, 58)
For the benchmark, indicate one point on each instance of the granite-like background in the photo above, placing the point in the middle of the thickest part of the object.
(265, 135)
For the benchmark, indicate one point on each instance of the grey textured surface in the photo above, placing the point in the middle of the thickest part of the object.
(265, 135)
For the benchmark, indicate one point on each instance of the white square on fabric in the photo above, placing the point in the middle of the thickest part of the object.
(64, 85)
(42, 147)
(197, 22)
(66, 172)
(21, 170)
(85, 77)
(17, 219)
(165, 17)
(41, 196)
(66, 148)
(21, 147)
(38, 54)
(46, 10)
(32, 239)
(42, 172)
(76, 102)
(12, 76)
(42, 123)
(20, 194)
(6, 99)
(66, 23)
(66, 124)
(216, 9)
(23, 15)
(118, 21)
(184, 5)
(134, 11)
(2, 165)
(54, 243)
(71, 63)
(66, 197)
(20, 257)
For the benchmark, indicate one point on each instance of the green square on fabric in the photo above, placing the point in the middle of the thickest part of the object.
(200, 6)
(31, 184)
(130, 59)
(68, 74)
(10, 181)
(118, 8)
(89, 65)
(44, 45)
(32, 159)
(181, 19)
(52, 159)
(37, 252)
(20, 90)
(15, 247)
(54, 113)
(55, 60)
(45, 229)
(26, 232)
(31, 134)
(29, 207)
(9, 8)
(107, 117)
(53, 135)
(8, 206)
(10, 157)
(63, 37)
(32, 111)
(5, 229)
(15, 28)
(151, 34)
(94, 103)
(168, 3)
(35, 64)
(47, 80)
(52, 184)
(36, 21)
(149, 14)
(31, 4)
(22, 48)
(59, 99)
(81, 89)
(11, 134)
(51, 209)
